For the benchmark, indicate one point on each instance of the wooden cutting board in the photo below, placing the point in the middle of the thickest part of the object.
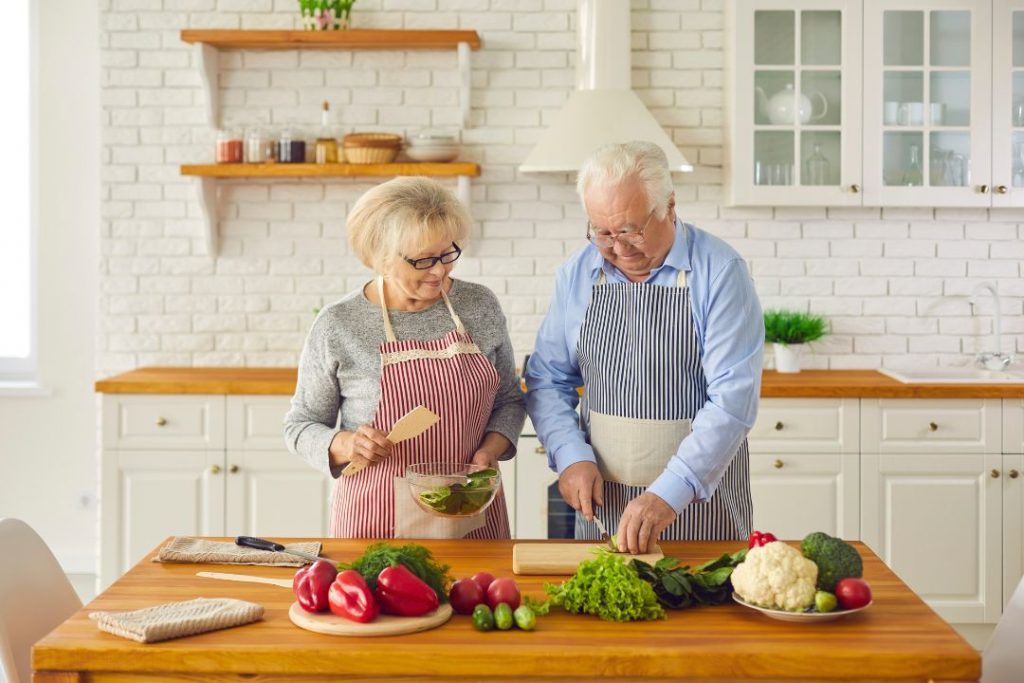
(563, 558)
(384, 625)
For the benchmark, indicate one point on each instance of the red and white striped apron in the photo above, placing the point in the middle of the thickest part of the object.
(451, 377)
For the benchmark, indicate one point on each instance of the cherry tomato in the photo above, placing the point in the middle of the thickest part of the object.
(853, 593)
(503, 590)
(465, 595)
(483, 579)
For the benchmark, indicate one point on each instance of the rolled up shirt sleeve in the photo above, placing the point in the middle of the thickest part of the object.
(731, 330)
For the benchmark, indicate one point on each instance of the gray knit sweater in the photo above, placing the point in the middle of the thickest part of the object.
(339, 372)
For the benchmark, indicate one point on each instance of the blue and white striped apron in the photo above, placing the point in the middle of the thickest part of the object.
(640, 359)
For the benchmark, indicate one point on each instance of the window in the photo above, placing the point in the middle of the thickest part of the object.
(17, 194)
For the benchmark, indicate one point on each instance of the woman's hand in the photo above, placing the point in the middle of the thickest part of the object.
(365, 445)
(491, 448)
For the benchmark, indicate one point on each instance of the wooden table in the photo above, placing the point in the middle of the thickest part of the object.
(897, 638)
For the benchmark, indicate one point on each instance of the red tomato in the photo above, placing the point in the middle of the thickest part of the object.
(503, 590)
(483, 579)
(465, 595)
(853, 593)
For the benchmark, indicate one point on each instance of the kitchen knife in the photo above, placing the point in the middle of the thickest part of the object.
(264, 544)
(600, 527)
(412, 424)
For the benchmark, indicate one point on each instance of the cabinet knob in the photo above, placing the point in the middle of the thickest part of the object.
(539, 450)
(778, 426)
(233, 469)
(983, 189)
(1014, 474)
(855, 188)
(1002, 189)
(161, 422)
(994, 474)
(932, 427)
(778, 464)
(214, 469)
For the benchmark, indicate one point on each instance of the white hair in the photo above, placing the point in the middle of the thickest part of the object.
(612, 165)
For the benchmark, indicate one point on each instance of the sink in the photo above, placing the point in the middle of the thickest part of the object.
(956, 376)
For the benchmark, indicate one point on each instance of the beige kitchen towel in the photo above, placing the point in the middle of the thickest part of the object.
(178, 619)
(188, 549)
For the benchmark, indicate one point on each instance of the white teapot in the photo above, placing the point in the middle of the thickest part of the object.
(779, 108)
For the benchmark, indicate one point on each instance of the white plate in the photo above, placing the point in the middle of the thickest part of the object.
(783, 615)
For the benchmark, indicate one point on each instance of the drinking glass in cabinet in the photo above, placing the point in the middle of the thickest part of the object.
(816, 168)
(1018, 164)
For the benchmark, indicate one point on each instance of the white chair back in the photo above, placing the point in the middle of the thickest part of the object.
(35, 596)
(1003, 658)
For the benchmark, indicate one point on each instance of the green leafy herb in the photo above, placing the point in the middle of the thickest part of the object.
(609, 588)
(415, 557)
(539, 608)
(463, 498)
(677, 586)
(792, 327)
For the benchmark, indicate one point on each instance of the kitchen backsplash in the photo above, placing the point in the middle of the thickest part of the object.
(894, 283)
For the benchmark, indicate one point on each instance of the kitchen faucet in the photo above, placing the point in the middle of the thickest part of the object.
(991, 360)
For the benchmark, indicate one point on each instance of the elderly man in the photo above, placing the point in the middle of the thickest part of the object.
(660, 324)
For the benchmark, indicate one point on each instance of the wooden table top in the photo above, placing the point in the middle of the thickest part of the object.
(805, 384)
(897, 638)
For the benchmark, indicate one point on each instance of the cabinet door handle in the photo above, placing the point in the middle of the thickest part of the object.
(161, 422)
(983, 189)
(214, 469)
(855, 188)
(1002, 189)
(779, 426)
(994, 474)
(1014, 474)
(778, 464)
(932, 427)
(233, 469)
(539, 450)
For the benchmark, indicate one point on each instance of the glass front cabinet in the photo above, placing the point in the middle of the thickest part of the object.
(877, 103)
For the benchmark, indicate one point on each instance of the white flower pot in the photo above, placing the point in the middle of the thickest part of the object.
(787, 357)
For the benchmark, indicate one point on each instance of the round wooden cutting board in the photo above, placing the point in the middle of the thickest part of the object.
(384, 625)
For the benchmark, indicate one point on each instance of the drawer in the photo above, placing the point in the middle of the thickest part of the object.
(805, 425)
(1013, 425)
(160, 421)
(257, 422)
(931, 425)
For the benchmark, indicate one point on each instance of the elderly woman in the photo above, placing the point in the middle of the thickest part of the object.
(412, 336)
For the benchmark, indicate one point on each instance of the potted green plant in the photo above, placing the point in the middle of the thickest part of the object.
(789, 331)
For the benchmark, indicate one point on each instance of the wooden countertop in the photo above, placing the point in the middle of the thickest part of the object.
(897, 639)
(806, 384)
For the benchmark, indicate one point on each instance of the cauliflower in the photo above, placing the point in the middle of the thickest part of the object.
(776, 576)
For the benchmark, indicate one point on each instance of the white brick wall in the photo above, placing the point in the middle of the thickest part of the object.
(893, 282)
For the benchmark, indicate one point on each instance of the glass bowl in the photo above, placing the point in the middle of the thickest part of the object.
(452, 490)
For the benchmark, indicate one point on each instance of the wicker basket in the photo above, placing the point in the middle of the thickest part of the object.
(371, 148)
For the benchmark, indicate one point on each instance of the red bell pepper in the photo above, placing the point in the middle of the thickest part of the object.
(352, 598)
(312, 584)
(401, 592)
(759, 538)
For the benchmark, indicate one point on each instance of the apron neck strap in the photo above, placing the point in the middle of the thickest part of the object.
(389, 331)
(680, 279)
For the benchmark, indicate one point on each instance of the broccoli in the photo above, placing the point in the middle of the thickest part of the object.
(836, 559)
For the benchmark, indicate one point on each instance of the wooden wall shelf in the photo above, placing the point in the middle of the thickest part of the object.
(328, 170)
(352, 39)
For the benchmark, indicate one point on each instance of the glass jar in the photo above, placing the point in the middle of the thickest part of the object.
(817, 167)
(289, 149)
(254, 152)
(229, 148)
(912, 174)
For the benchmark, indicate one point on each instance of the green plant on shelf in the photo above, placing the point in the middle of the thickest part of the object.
(326, 15)
(793, 327)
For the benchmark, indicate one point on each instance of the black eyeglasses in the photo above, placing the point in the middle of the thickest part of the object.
(429, 262)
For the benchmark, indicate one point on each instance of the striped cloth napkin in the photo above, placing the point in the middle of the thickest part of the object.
(178, 619)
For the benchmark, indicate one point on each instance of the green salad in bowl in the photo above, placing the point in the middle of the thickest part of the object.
(453, 490)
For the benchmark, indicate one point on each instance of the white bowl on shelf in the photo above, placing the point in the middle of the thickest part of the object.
(432, 153)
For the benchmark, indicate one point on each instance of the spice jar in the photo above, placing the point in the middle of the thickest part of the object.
(290, 150)
(229, 148)
(254, 147)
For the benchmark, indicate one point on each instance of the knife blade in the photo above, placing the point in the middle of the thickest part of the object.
(264, 544)
(600, 527)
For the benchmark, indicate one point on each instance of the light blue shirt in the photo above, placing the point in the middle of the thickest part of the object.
(730, 331)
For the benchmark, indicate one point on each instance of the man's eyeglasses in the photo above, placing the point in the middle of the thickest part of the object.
(629, 234)
(429, 262)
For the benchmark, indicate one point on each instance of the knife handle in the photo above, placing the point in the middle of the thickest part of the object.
(258, 543)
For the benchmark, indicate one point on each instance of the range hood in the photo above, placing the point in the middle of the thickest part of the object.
(603, 109)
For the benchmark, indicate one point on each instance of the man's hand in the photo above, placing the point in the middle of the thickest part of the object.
(582, 487)
(642, 522)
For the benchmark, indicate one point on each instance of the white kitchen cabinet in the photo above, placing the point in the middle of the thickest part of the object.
(533, 480)
(213, 465)
(937, 111)
(931, 426)
(1013, 523)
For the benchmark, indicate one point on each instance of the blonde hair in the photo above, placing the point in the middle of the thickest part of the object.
(402, 216)
(613, 165)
